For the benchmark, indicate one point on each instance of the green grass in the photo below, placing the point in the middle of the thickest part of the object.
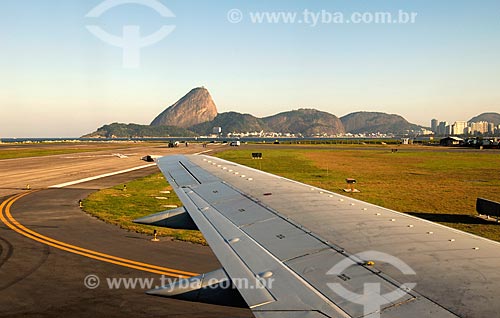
(119, 207)
(8, 151)
(24, 153)
(439, 186)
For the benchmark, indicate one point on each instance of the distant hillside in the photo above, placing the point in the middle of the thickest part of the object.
(489, 117)
(307, 122)
(194, 108)
(118, 130)
(231, 122)
(196, 114)
(373, 122)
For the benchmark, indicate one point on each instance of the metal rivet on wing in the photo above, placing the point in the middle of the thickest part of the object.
(393, 220)
(410, 225)
(378, 214)
(353, 204)
(243, 176)
(364, 209)
(250, 179)
(234, 240)
(476, 248)
(330, 196)
(430, 232)
(452, 240)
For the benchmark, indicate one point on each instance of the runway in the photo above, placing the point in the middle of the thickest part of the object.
(49, 247)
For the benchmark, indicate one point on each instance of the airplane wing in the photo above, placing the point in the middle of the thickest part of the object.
(291, 250)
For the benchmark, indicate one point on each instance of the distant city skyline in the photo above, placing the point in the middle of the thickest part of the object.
(61, 77)
(464, 127)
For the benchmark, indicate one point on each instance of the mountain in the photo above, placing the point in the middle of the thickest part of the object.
(373, 122)
(231, 122)
(196, 114)
(194, 108)
(308, 122)
(117, 130)
(489, 117)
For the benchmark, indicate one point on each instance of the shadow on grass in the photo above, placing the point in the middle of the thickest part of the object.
(450, 218)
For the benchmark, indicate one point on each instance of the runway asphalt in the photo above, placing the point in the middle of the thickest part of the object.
(54, 246)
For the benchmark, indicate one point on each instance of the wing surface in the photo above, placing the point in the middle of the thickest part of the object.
(285, 269)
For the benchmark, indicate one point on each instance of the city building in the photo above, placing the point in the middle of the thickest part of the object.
(459, 128)
(441, 130)
(434, 125)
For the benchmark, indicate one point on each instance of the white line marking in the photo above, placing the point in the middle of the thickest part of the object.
(202, 152)
(67, 184)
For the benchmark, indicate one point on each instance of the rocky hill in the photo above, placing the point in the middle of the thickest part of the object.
(194, 108)
(232, 122)
(308, 122)
(117, 130)
(489, 117)
(196, 114)
(373, 122)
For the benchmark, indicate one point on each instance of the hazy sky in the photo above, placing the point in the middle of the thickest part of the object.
(60, 80)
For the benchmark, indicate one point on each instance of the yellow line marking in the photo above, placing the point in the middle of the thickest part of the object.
(13, 224)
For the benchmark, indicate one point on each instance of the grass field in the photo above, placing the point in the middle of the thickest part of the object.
(120, 207)
(8, 151)
(435, 185)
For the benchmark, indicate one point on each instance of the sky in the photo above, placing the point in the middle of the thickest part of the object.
(58, 78)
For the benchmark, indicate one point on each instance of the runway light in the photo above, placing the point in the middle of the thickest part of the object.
(155, 239)
(80, 203)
